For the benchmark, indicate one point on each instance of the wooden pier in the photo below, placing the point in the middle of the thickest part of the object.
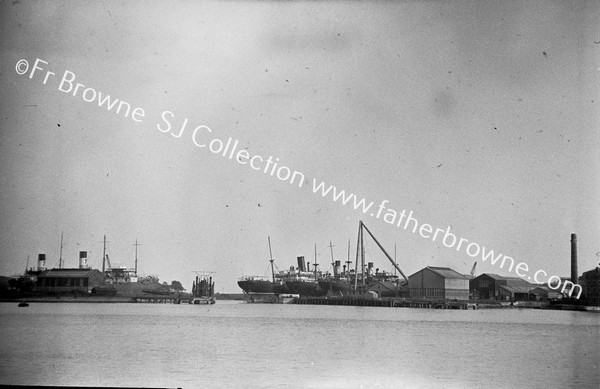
(387, 302)
(163, 299)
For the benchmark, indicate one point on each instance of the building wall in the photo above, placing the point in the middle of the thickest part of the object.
(486, 287)
(590, 283)
(428, 284)
(457, 289)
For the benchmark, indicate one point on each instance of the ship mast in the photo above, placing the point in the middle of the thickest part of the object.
(271, 259)
(104, 255)
(60, 255)
(348, 261)
(315, 264)
(332, 260)
(136, 246)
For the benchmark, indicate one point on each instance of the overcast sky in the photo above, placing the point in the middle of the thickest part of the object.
(478, 115)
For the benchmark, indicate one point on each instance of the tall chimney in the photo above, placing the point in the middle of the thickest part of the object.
(41, 262)
(574, 258)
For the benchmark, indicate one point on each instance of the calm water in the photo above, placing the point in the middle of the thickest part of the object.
(234, 344)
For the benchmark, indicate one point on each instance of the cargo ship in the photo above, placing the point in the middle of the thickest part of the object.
(258, 284)
(304, 281)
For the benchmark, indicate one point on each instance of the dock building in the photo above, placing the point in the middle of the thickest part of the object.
(544, 293)
(438, 283)
(489, 286)
(590, 282)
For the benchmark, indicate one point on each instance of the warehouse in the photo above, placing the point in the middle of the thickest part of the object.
(438, 282)
(544, 293)
(486, 287)
(513, 293)
(590, 282)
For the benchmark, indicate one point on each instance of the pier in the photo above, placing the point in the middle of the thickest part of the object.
(163, 299)
(386, 302)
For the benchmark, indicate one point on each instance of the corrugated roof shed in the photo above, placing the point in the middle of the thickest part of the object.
(386, 284)
(446, 272)
(516, 281)
(515, 289)
(494, 276)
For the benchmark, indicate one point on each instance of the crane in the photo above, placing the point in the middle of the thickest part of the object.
(473, 269)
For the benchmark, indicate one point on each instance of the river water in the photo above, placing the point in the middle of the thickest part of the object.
(240, 345)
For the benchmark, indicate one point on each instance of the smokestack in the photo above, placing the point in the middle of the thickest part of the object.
(301, 265)
(336, 268)
(83, 260)
(307, 266)
(574, 258)
(41, 262)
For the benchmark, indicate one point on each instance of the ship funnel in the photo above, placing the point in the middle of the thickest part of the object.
(83, 260)
(307, 266)
(301, 264)
(574, 258)
(336, 268)
(41, 262)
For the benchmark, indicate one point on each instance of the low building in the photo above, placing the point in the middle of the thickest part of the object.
(388, 289)
(590, 283)
(69, 280)
(513, 293)
(438, 282)
(487, 287)
(544, 293)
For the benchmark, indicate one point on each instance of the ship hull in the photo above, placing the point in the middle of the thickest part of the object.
(256, 286)
(262, 286)
(306, 288)
(336, 287)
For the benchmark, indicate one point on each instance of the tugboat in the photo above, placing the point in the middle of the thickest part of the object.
(203, 289)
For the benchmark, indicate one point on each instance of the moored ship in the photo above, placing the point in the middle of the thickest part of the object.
(307, 282)
(262, 285)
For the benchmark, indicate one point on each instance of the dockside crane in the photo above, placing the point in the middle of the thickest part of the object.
(361, 251)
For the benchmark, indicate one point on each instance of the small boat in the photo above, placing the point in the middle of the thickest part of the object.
(23, 304)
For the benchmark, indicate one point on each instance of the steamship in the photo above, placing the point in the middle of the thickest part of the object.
(298, 280)
(313, 283)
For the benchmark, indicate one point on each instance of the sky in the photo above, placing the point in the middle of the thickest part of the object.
(479, 115)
